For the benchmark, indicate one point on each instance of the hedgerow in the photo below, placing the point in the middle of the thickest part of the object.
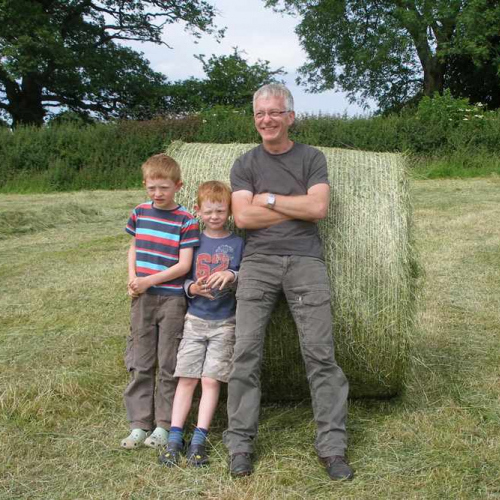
(444, 136)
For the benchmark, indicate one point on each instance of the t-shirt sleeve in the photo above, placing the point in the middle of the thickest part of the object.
(235, 263)
(190, 233)
(240, 177)
(191, 276)
(131, 224)
(318, 171)
(242, 248)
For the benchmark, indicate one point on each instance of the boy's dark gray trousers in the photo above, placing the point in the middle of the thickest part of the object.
(304, 281)
(156, 325)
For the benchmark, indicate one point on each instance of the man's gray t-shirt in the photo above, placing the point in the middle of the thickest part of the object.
(290, 174)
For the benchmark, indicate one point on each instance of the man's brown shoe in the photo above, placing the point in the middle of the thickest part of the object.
(338, 468)
(240, 464)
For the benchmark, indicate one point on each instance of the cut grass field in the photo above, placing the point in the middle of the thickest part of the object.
(63, 324)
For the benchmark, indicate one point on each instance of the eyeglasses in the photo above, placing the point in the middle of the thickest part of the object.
(272, 114)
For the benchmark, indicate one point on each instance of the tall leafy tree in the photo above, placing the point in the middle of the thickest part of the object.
(477, 81)
(64, 54)
(391, 50)
(230, 81)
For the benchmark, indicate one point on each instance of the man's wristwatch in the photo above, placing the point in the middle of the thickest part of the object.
(271, 200)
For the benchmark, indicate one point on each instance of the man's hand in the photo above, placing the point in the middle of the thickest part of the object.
(220, 279)
(310, 207)
(249, 215)
(260, 200)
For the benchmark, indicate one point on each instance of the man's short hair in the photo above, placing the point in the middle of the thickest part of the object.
(214, 191)
(275, 90)
(161, 166)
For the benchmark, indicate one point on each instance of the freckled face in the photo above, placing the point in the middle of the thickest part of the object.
(272, 129)
(213, 214)
(162, 192)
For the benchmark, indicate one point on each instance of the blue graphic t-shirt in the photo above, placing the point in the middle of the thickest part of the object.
(214, 255)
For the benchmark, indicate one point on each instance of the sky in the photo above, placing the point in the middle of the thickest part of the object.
(259, 33)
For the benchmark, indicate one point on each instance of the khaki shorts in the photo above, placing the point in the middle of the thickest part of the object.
(206, 348)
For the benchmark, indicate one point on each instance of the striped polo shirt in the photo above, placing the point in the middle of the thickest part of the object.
(159, 235)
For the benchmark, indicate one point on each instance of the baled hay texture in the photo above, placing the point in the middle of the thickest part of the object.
(371, 265)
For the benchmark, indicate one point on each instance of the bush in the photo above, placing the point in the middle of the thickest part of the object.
(447, 123)
(71, 155)
(224, 125)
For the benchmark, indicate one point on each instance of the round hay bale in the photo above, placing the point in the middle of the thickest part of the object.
(371, 264)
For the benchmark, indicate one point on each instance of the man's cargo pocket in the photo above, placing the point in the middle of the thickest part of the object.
(249, 294)
(314, 298)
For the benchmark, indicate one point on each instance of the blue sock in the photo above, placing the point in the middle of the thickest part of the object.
(176, 435)
(199, 436)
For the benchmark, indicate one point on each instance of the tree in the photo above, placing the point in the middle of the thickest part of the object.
(390, 50)
(64, 54)
(480, 83)
(230, 81)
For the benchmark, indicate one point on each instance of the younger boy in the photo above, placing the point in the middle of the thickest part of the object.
(206, 348)
(159, 258)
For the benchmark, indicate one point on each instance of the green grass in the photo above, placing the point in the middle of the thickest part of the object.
(459, 165)
(63, 324)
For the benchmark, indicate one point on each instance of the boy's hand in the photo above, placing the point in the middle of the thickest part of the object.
(138, 286)
(201, 288)
(220, 279)
(131, 292)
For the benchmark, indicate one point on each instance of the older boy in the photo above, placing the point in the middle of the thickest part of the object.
(159, 258)
(207, 346)
(280, 191)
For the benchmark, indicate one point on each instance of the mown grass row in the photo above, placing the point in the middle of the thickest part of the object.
(69, 156)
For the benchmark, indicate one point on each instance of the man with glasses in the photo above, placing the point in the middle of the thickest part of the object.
(280, 190)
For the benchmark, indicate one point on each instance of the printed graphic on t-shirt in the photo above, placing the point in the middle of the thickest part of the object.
(207, 264)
